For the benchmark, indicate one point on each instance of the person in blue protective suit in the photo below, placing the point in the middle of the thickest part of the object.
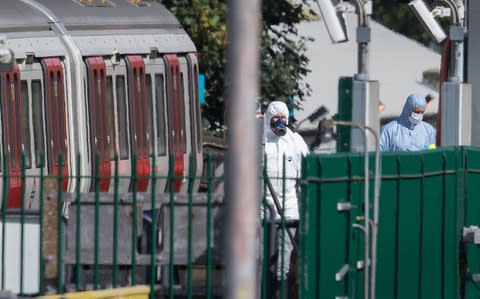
(283, 147)
(409, 132)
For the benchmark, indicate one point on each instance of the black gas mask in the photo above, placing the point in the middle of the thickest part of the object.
(279, 127)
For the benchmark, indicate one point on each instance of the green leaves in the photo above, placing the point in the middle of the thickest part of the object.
(283, 63)
(400, 18)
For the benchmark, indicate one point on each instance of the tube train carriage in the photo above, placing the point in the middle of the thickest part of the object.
(95, 78)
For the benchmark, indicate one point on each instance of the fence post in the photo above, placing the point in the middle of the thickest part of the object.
(50, 234)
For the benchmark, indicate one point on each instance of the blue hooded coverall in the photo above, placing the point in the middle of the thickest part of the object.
(402, 135)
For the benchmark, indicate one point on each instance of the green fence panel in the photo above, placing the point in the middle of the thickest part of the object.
(408, 240)
(452, 222)
(388, 219)
(472, 217)
(426, 198)
(325, 252)
(430, 267)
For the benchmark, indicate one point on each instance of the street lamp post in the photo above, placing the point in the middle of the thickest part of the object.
(456, 118)
(456, 104)
(365, 95)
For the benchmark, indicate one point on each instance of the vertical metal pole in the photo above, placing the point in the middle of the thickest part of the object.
(363, 38)
(366, 213)
(456, 95)
(242, 193)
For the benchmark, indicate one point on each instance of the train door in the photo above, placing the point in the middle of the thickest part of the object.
(195, 116)
(31, 86)
(55, 119)
(12, 136)
(100, 126)
(118, 120)
(176, 121)
(139, 137)
(156, 95)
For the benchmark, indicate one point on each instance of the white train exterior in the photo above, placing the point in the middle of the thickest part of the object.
(96, 79)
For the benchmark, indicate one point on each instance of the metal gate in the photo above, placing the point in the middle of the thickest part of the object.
(426, 200)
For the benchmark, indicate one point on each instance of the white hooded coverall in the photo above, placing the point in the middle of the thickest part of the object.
(290, 147)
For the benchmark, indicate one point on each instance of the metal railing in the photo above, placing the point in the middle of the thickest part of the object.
(171, 242)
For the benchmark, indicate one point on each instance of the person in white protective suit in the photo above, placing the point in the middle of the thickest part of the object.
(282, 145)
(409, 132)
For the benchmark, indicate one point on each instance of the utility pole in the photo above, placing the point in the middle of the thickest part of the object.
(242, 164)
(456, 115)
(365, 95)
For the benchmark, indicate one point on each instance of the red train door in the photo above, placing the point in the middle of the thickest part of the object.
(175, 110)
(98, 110)
(55, 119)
(12, 135)
(139, 139)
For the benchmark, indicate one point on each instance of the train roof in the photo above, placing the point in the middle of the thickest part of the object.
(17, 16)
(97, 27)
(111, 14)
(85, 14)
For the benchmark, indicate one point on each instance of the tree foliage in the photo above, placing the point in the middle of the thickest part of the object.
(397, 16)
(283, 61)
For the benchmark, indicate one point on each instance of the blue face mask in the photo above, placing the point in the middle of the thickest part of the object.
(279, 127)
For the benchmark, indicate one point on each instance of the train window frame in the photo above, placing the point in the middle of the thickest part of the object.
(95, 117)
(19, 117)
(104, 112)
(190, 91)
(111, 115)
(144, 113)
(122, 98)
(62, 138)
(136, 114)
(172, 109)
(198, 115)
(27, 150)
(149, 95)
(53, 118)
(10, 92)
(182, 111)
(160, 110)
(4, 120)
(37, 120)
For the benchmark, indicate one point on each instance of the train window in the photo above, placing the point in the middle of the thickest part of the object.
(59, 97)
(111, 114)
(53, 120)
(104, 111)
(135, 112)
(15, 119)
(182, 113)
(191, 110)
(95, 115)
(4, 110)
(11, 120)
(172, 116)
(122, 116)
(196, 105)
(148, 83)
(26, 124)
(37, 121)
(18, 116)
(160, 108)
(144, 114)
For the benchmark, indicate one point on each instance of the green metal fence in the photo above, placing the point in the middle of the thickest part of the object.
(426, 200)
(82, 241)
(171, 242)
